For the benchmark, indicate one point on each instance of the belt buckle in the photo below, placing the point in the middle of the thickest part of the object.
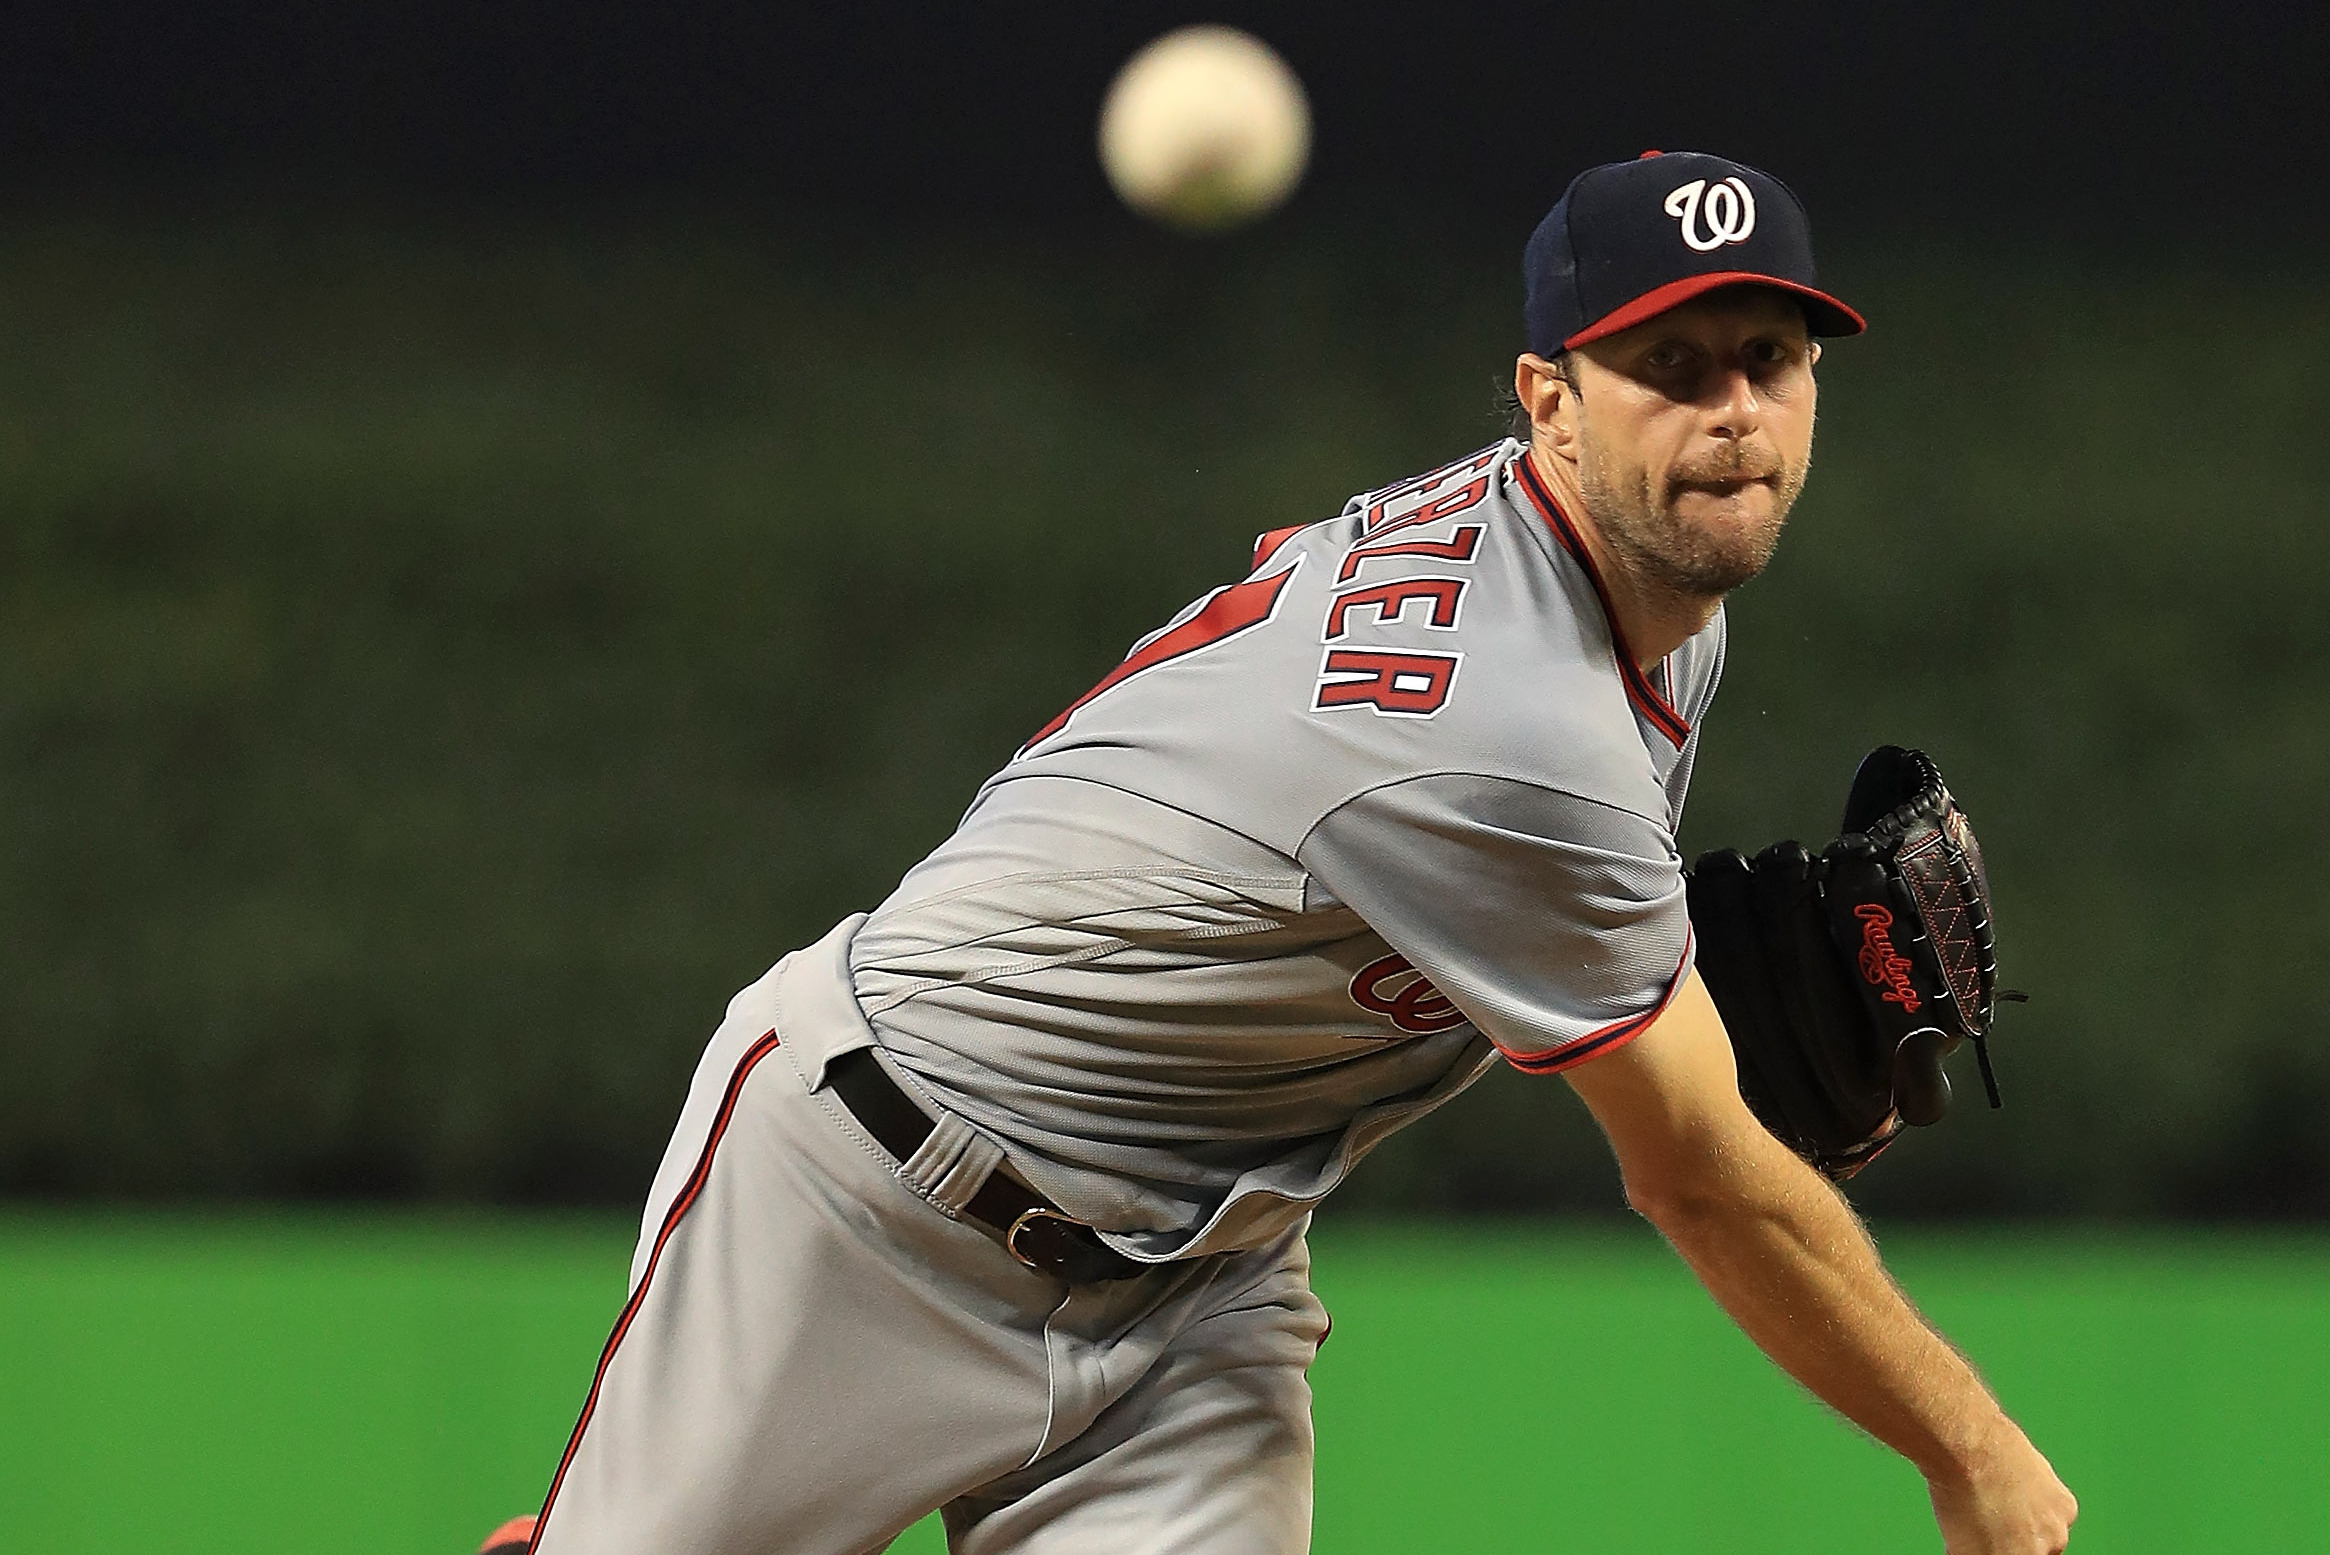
(1030, 1217)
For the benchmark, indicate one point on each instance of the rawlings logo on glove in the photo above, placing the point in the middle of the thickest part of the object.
(1881, 964)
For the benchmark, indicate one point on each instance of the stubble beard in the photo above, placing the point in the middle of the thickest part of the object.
(1697, 561)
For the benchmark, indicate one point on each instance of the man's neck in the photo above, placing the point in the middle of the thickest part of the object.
(1651, 620)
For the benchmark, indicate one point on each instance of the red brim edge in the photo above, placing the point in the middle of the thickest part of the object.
(1826, 316)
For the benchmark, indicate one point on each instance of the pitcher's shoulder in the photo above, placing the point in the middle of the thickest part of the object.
(1431, 626)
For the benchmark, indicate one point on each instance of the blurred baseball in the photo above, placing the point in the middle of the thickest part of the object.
(1204, 129)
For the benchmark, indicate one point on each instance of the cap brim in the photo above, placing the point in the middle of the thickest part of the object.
(1823, 314)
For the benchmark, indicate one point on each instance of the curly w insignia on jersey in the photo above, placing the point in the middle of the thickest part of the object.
(993, 1201)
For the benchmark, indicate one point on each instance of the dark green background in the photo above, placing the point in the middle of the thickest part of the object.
(440, 661)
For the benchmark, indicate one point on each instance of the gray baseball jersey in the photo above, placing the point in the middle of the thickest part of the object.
(1291, 875)
(1300, 867)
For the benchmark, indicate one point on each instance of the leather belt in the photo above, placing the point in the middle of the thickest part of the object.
(1034, 1230)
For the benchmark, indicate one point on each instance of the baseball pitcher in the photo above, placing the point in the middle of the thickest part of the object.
(993, 1200)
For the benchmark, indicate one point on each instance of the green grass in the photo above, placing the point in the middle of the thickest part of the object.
(258, 1384)
(1544, 1390)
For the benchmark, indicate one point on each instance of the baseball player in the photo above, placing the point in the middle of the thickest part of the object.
(993, 1200)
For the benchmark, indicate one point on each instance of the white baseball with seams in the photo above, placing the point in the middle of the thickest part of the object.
(1205, 129)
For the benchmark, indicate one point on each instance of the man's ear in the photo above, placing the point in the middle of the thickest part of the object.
(1551, 401)
(1814, 357)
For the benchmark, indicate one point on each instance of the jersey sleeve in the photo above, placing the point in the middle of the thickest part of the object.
(1555, 922)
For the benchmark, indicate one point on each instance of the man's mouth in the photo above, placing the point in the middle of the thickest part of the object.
(1726, 486)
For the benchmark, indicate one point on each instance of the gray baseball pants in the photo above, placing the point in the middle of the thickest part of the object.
(815, 1355)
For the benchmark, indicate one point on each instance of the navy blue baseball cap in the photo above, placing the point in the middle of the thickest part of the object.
(1629, 240)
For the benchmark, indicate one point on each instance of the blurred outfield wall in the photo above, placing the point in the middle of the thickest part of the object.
(438, 665)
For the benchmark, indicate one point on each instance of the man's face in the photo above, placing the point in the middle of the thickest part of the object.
(1694, 435)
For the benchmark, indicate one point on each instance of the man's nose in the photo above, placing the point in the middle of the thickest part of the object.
(1736, 410)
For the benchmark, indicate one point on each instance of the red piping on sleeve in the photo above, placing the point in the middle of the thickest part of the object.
(680, 1206)
(1639, 690)
(1610, 1038)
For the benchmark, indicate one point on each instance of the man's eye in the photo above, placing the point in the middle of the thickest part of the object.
(1664, 358)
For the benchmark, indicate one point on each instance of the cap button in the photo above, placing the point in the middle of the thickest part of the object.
(1646, 156)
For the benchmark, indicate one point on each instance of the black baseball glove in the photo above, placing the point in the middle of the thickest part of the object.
(1845, 977)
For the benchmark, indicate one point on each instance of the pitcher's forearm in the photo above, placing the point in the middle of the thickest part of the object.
(1784, 1255)
(1792, 1266)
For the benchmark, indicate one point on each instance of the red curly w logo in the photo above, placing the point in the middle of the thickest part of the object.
(1389, 985)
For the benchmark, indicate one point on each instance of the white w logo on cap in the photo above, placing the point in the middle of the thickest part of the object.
(1728, 208)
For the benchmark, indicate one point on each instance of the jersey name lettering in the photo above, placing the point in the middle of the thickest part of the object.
(1390, 602)
(1438, 508)
(1395, 685)
(1403, 684)
(1458, 548)
(1377, 504)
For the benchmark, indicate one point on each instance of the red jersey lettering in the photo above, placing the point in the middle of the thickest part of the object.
(1390, 602)
(1458, 548)
(1377, 502)
(1395, 685)
(1438, 508)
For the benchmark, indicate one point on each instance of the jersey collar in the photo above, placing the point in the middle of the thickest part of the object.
(1647, 699)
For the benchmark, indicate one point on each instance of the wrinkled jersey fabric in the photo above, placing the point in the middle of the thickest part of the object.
(1303, 866)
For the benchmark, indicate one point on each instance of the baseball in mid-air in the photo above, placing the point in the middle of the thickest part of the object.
(1205, 129)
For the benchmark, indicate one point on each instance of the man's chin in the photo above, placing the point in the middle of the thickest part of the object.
(1725, 554)
(1720, 575)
